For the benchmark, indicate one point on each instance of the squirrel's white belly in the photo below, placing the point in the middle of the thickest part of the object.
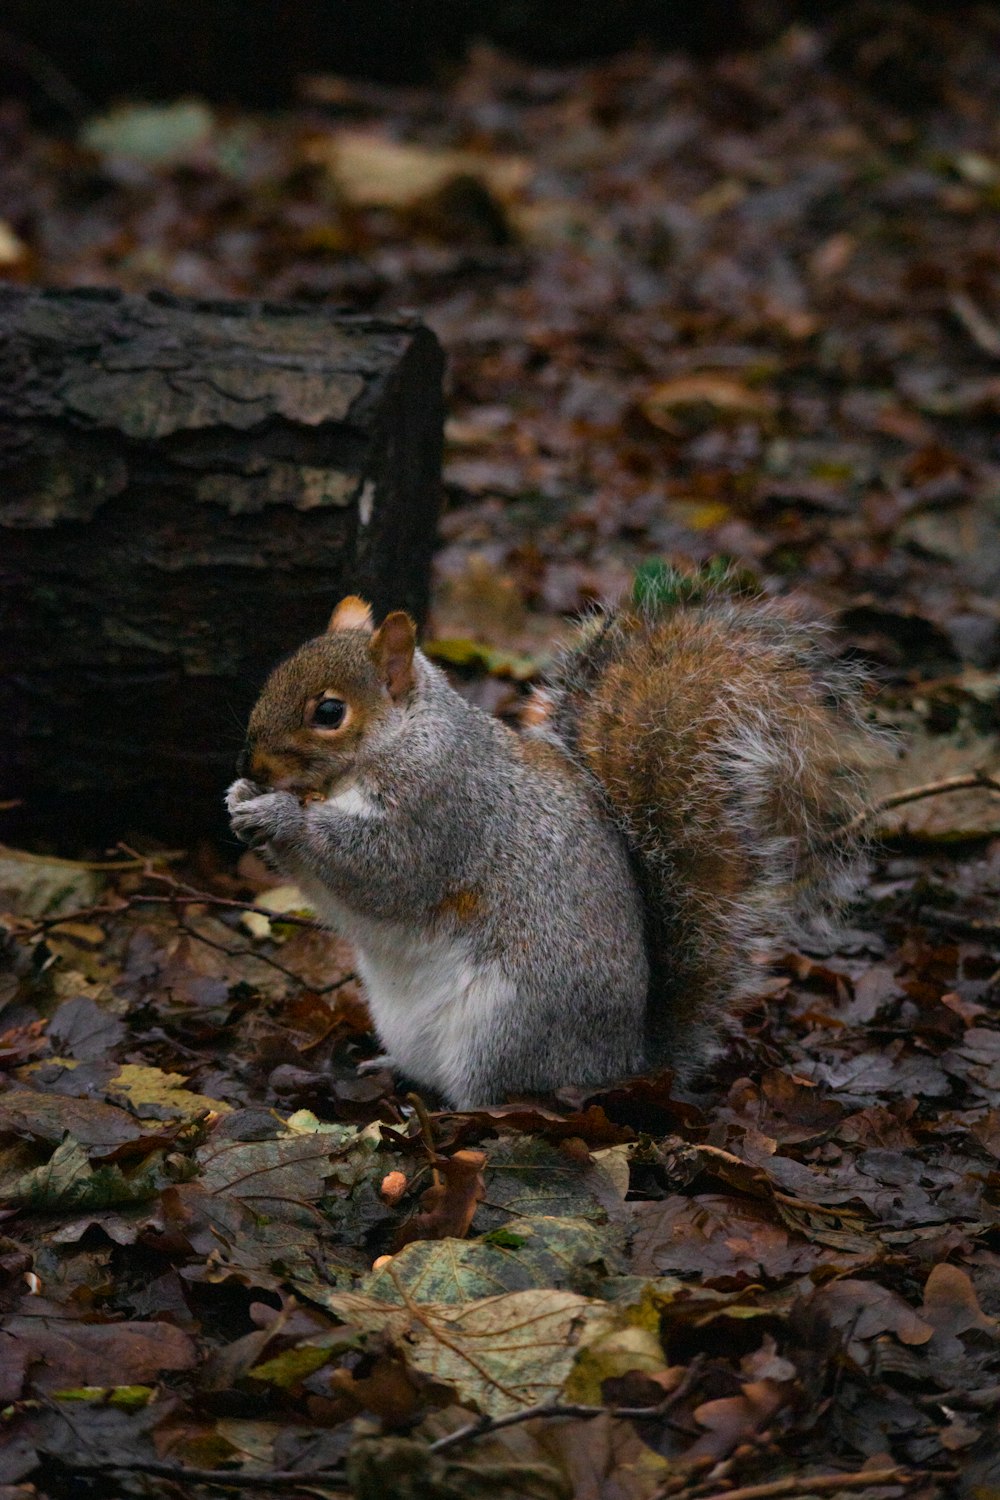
(428, 998)
(429, 1001)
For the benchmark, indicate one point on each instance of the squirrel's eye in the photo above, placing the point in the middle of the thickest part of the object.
(329, 713)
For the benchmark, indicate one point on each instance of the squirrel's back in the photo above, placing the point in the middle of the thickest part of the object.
(731, 746)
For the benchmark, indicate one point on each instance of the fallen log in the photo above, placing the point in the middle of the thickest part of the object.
(185, 487)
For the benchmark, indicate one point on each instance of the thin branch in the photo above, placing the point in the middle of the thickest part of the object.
(983, 333)
(49, 79)
(237, 1479)
(972, 781)
(134, 861)
(970, 927)
(821, 1484)
(262, 958)
(426, 1132)
(276, 1479)
(483, 1426)
(179, 896)
(174, 898)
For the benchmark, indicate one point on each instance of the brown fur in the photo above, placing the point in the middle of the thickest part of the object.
(366, 668)
(352, 613)
(729, 746)
(461, 905)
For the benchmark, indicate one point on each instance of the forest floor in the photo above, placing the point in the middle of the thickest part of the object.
(748, 306)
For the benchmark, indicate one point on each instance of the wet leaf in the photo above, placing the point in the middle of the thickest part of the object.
(63, 1354)
(156, 1095)
(552, 1252)
(105, 1131)
(500, 1353)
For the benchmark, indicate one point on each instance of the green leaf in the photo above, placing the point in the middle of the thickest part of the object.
(505, 1237)
(545, 1252)
(67, 1181)
(528, 1177)
(292, 1366)
(124, 1397)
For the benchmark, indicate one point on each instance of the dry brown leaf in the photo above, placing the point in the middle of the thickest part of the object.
(673, 403)
(732, 1420)
(951, 1307)
(63, 1352)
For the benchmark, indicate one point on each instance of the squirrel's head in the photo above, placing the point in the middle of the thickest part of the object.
(317, 707)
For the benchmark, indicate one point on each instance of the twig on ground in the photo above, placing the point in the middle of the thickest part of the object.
(235, 1479)
(179, 895)
(972, 781)
(144, 862)
(426, 1132)
(177, 898)
(983, 333)
(947, 921)
(276, 1479)
(483, 1426)
(262, 958)
(821, 1484)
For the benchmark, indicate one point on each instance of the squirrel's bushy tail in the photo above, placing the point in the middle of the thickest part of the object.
(732, 747)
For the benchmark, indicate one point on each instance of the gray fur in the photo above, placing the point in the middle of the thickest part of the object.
(515, 933)
(558, 928)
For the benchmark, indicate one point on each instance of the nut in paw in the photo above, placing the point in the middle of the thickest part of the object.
(262, 819)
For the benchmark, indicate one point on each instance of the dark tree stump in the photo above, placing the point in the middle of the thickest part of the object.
(185, 490)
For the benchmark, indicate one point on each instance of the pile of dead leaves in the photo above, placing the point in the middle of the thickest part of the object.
(225, 1257)
(747, 305)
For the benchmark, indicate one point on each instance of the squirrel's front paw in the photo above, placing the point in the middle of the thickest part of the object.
(375, 1064)
(243, 790)
(262, 818)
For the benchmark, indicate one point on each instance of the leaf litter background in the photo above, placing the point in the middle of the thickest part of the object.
(750, 306)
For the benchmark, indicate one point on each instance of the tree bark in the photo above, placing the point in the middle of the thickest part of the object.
(185, 490)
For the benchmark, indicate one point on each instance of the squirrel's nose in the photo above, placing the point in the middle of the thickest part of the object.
(243, 762)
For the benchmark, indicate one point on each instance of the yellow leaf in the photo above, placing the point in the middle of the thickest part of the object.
(281, 899)
(459, 652)
(124, 1397)
(166, 1091)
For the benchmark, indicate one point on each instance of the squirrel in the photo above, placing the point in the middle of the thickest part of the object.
(581, 900)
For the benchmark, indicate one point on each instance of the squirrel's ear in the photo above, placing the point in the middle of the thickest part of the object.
(351, 613)
(392, 650)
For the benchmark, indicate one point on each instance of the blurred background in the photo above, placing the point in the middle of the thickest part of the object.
(716, 278)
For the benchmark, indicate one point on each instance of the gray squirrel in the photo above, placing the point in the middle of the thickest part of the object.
(582, 900)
